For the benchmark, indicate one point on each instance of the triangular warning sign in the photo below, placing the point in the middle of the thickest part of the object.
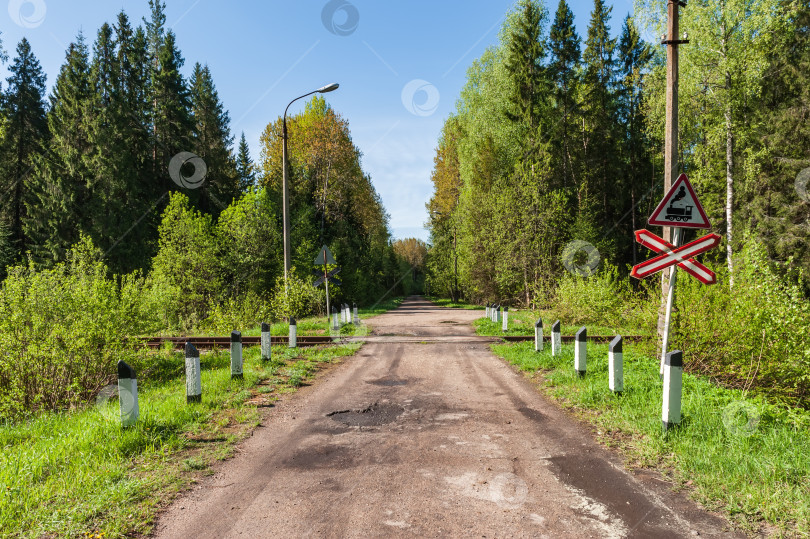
(680, 207)
(324, 257)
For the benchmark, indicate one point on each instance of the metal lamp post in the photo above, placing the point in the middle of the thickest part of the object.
(285, 188)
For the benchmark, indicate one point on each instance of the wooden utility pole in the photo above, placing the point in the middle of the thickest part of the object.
(671, 40)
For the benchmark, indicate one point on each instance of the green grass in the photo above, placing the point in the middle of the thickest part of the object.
(78, 473)
(446, 302)
(753, 472)
(522, 323)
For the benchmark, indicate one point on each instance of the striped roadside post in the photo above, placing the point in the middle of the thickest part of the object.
(673, 380)
(505, 325)
(538, 335)
(266, 348)
(498, 315)
(236, 355)
(356, 319)
(335, 324)
(616, 366)
(487, 311)
(293, 334)
(581, 351)
(127, 394)
(193, 374)
(556, 339)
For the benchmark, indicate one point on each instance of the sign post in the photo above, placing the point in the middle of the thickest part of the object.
(678, 209)
(325, 258)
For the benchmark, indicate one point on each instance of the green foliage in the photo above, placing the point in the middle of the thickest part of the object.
(62, 331)
(603, 298)
(297, 298)
(187, 260)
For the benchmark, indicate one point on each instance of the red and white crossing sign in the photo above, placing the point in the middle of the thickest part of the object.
(682, 256)
(680, 207)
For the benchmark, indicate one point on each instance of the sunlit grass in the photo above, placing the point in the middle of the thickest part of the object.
(752, 472)
(66, 474)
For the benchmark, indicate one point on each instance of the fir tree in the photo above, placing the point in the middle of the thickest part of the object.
(57, 211)
(564, 74)
(26, 133)
(524, 62)
(212, 141)
(245, 168)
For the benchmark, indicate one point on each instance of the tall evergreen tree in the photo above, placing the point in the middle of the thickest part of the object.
(245, 168)
(26, 133)
(212, 141)
(525, 54)
(564, 74)
(599, 140)
(57, 210)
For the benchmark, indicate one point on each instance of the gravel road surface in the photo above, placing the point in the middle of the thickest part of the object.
(425, 433)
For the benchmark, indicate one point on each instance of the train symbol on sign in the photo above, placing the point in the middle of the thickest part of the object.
(680, 205)
(678, 214)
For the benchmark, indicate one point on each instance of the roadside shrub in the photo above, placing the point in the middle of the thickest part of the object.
(62, 330)
(298, 299)
(238, 313)
(753, 335)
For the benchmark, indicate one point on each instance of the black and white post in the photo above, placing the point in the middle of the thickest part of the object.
(127, 394)
(498, 314)
(673, 381)
(236, 355)
(193, 374)
(487, 311)
(616, 365)
(293, 342)
(335, 325)
(505, 325)
(556, 339)
(538, 335)
(356, 319)
(266, 342)
(581, 351)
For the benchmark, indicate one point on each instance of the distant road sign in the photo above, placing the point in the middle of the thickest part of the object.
(691, 266)
(680, 207)
(680, 256)
(324, 257)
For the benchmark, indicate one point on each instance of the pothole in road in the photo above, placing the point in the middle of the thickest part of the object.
(388, 382)
(375, 415)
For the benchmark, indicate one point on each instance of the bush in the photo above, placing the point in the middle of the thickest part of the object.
(298, 300)
(62, 331)
(234, 313)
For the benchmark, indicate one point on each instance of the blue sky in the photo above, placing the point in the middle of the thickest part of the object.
(400, 65)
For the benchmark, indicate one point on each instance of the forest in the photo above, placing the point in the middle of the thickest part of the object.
(554, 157)
(127, 209)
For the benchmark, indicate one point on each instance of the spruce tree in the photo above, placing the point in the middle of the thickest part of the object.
(26, 133)
(212, 142)
(524, 62)
(599, 140)
(57, 209)
(564, 74)
(245, 168)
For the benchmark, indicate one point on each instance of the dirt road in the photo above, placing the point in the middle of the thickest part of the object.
(433, 437)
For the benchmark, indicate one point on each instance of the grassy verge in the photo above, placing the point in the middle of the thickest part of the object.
(446, 302)
(79, 474)
(522, 323)
(733, 453)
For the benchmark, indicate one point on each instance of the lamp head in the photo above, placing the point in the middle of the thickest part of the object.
(328, 88)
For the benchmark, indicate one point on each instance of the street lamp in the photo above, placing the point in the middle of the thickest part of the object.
(285, 190)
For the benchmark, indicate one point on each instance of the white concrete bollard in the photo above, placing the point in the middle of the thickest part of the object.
(335, 325)
(487, 310)
(127, 394)
(673, 382)
(266, 342)
(538, 335)
(581, 351)
(498, 315)
(345, 313)
(556, 339)
(193, 374)
(616, 365)
(356, 319)
(293, 342)
(505, 325)
(236, 355)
